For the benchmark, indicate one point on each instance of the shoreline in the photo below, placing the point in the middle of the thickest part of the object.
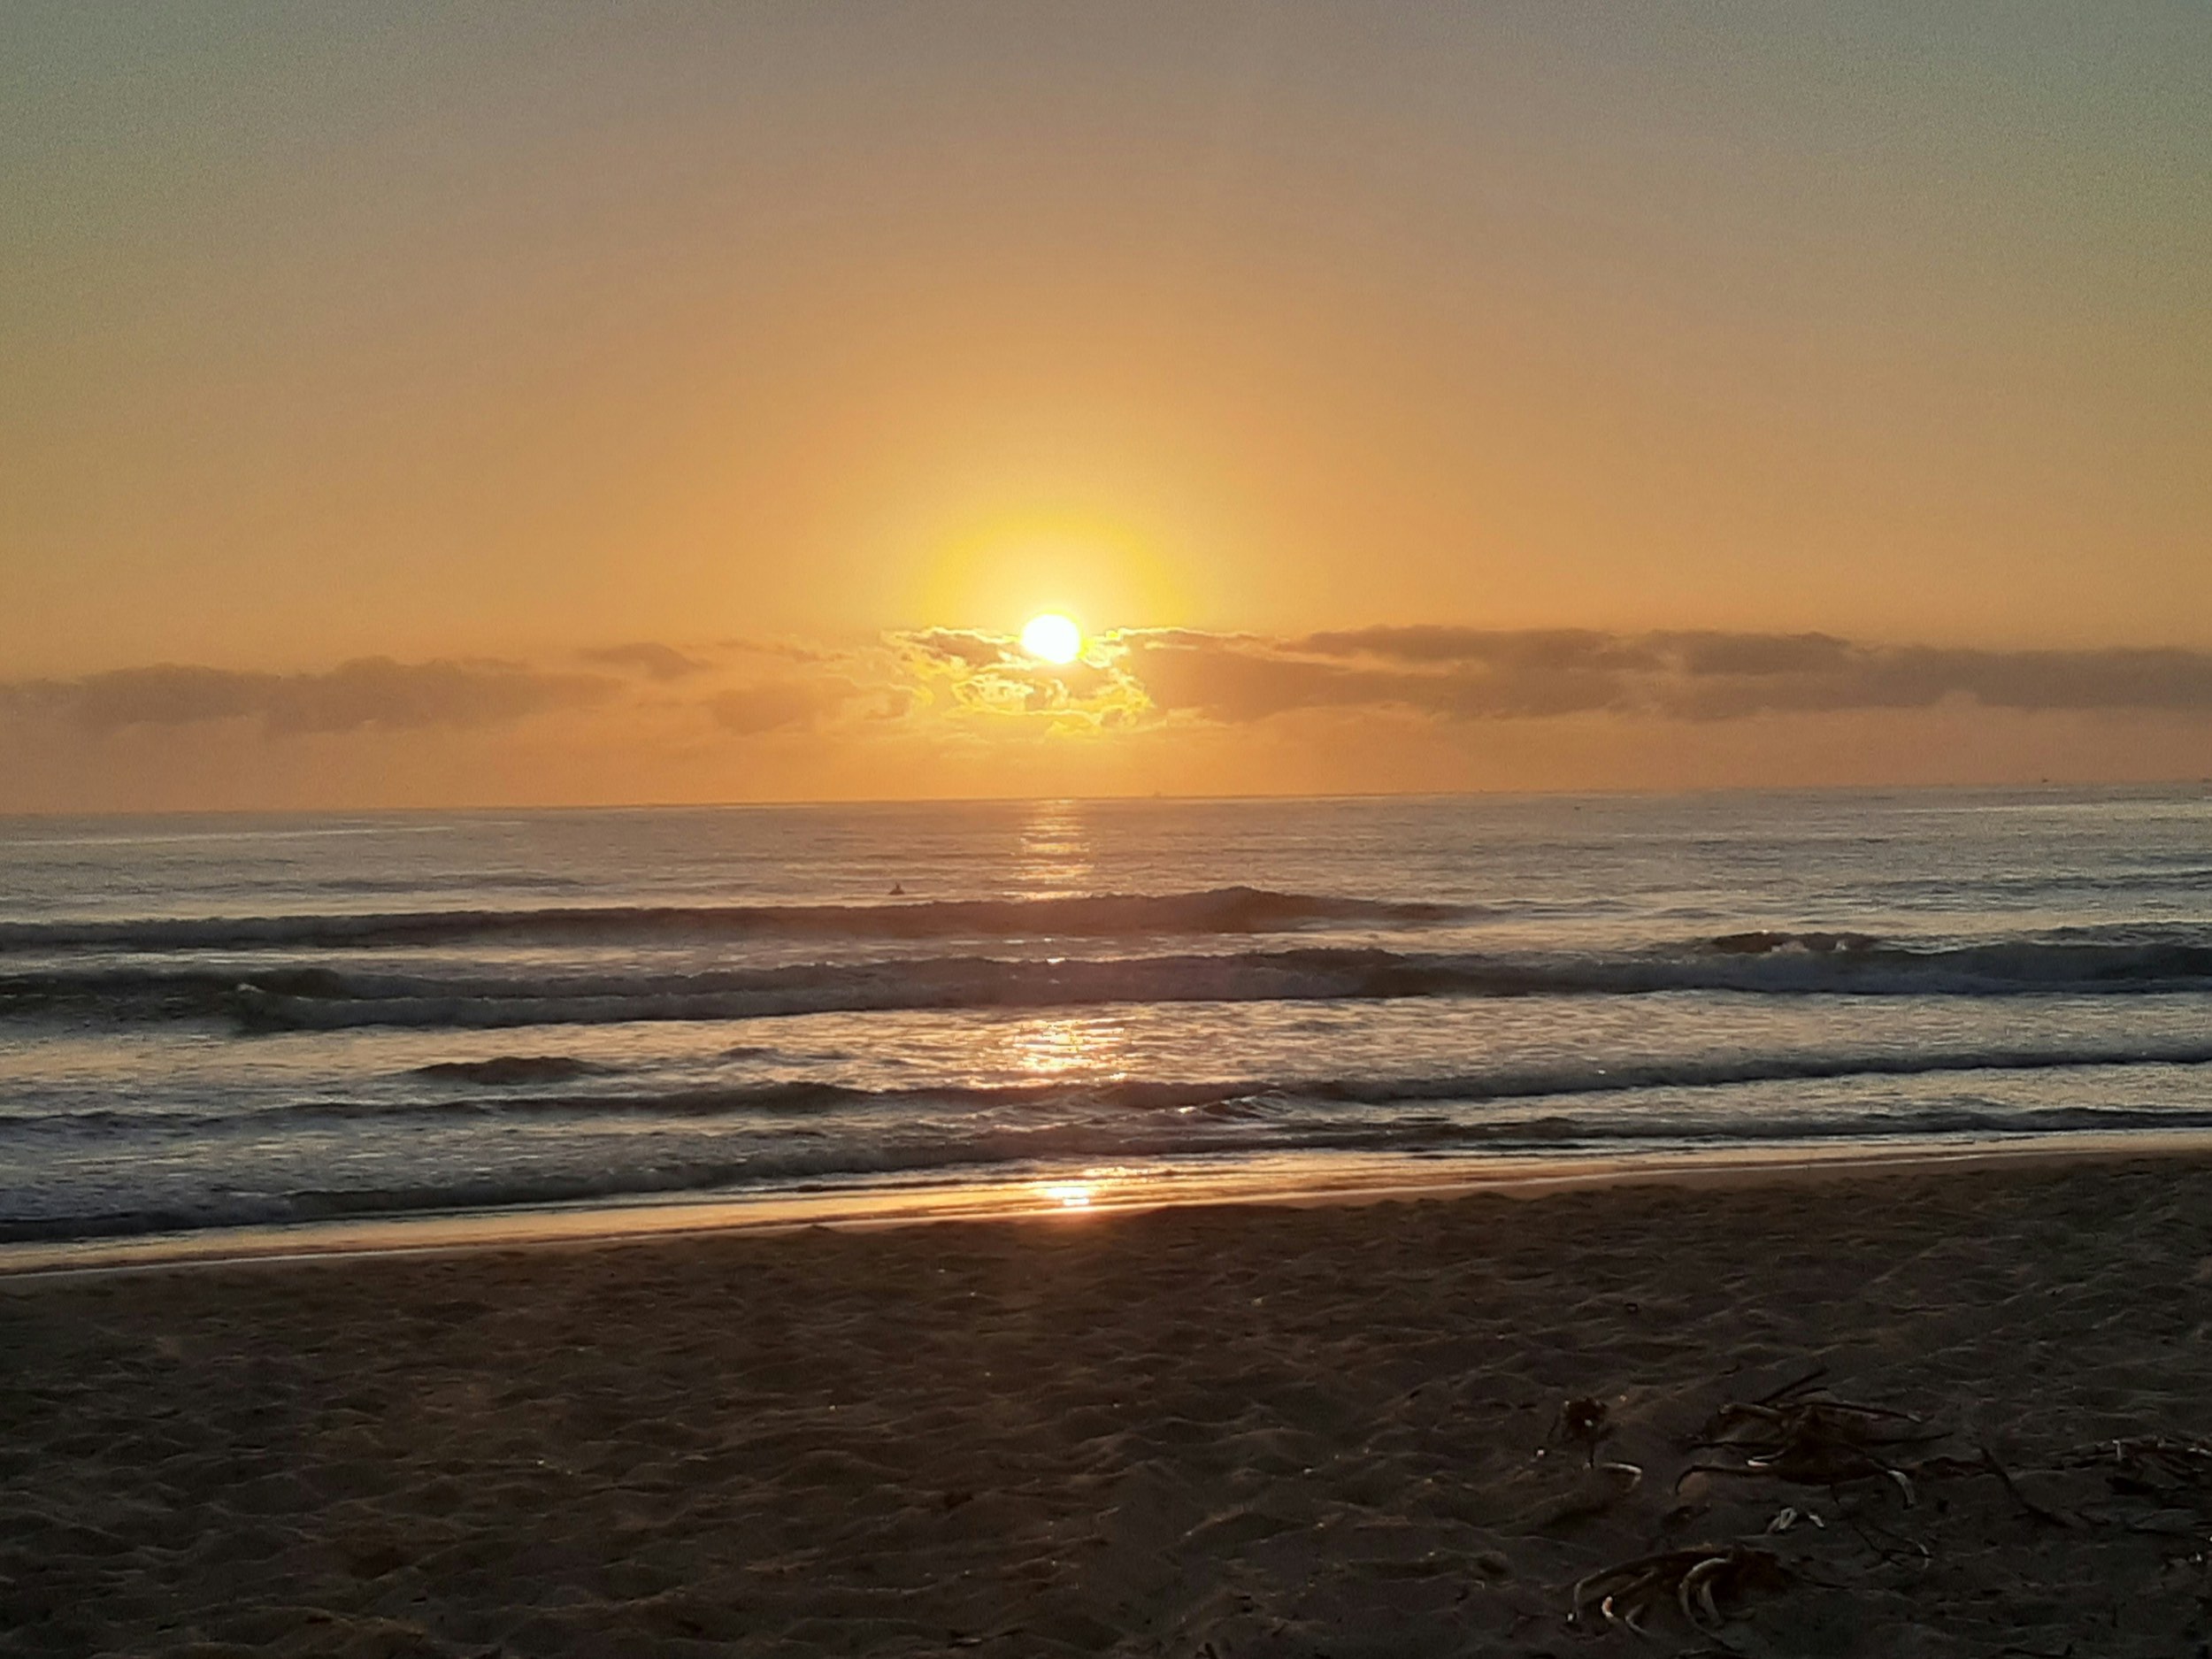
(1320, 1179)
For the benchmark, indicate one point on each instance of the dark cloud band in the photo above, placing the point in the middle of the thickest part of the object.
(371, 691)
(649, 658)
(1463, 673)
(1140, 677)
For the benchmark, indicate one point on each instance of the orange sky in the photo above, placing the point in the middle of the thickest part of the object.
(775, 335)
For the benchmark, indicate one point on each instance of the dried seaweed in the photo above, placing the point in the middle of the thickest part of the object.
(1696, 1580)
(2153, 1465)
(1816, 1440)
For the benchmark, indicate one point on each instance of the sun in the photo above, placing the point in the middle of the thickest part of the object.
(1052, 638)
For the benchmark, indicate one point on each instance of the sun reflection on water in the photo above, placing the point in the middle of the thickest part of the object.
(1054, 858)
(1086, 1045)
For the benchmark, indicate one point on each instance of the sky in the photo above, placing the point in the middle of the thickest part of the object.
(444, 405)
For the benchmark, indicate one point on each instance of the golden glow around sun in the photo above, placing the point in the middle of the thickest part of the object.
(1052, 638)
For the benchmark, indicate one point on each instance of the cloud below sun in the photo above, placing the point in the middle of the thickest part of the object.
(965, 712)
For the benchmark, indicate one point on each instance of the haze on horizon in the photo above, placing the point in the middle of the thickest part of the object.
(421, 404)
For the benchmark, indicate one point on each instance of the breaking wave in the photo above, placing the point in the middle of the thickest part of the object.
(1763, 964)
(773, 1163)
(1246, 1098)
(1223, 1100)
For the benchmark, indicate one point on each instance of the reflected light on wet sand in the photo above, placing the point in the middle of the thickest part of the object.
(1347, 1178)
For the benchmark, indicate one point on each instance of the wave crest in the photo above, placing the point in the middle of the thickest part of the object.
(1229, 911)
(295, 999)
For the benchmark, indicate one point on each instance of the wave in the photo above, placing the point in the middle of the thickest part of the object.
(1230, 910)
(1766, 964)
(780, 1166)
(1248, 1097)
(508, 1069)
(1273, 1100)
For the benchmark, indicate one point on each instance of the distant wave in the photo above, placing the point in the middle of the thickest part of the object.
(1217, 910)
(1769, 964)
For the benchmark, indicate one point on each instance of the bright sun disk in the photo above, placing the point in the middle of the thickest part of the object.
(1052, 638)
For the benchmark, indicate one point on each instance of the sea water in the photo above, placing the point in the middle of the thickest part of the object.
(224, 1020)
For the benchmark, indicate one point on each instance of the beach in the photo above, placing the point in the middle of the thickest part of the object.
(1310, 831)
(1396, 1427)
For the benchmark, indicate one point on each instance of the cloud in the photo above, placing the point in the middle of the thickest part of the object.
(954, 680)
(1917, 677)
(1246, 680)
(1466, 673)
(370, 691)
(649, 658)
(792, 650)
(1710, 653)
(772, 705)
(1541, 649)
(967, 648)
(968, 672)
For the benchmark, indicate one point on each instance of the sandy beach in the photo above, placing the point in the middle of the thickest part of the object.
(1471, 1426)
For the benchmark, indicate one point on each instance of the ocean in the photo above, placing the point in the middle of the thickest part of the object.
(220, 1021)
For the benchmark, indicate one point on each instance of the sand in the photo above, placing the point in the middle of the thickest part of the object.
(1202, 1432)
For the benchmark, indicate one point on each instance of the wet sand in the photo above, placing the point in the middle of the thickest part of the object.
(1221, 1431)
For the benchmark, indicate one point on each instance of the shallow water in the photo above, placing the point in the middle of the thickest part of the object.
(225, 1020)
